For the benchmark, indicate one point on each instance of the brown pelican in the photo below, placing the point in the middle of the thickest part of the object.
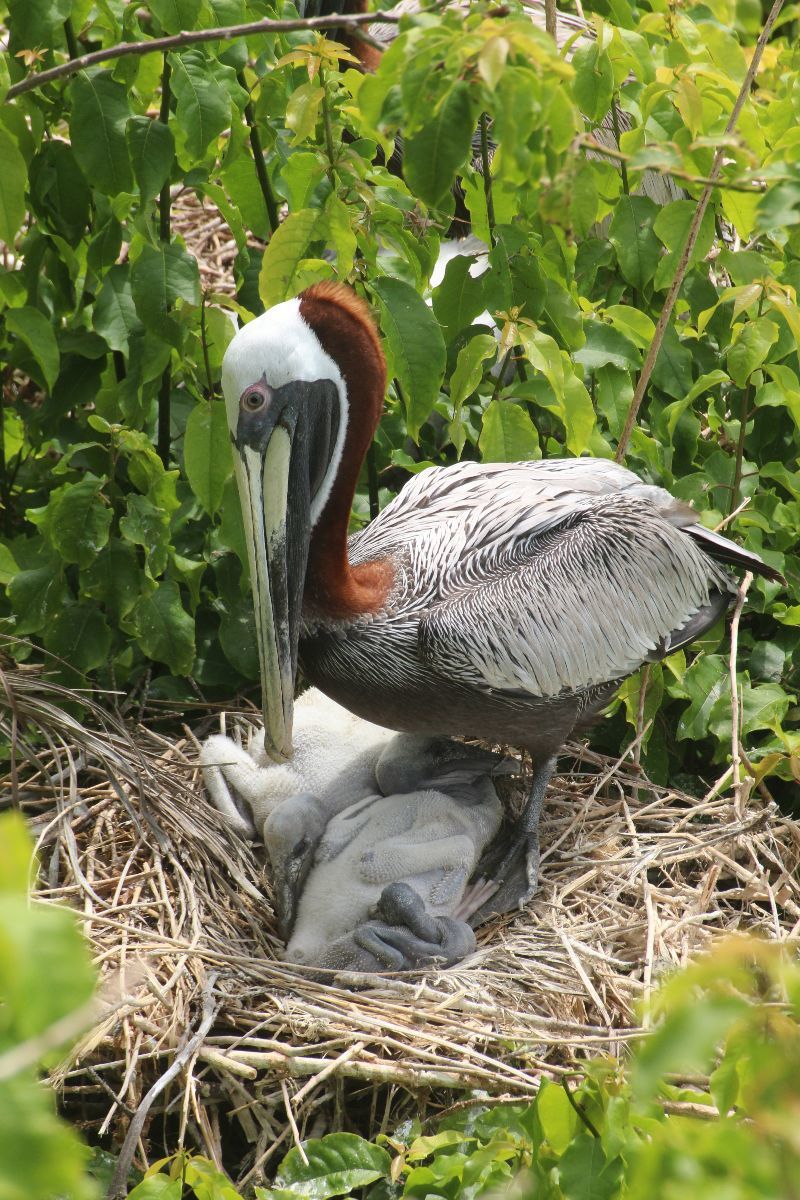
(505, 601)
(406, 855)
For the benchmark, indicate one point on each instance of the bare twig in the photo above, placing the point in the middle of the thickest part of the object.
(551, 19)
(118, 1187)
(587, 142)
(694, 231)
(736, 756)
(193, 37)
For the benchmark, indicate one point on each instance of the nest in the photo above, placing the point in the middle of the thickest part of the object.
(201, 1025)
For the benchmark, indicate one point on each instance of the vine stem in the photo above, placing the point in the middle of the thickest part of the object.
(164, 232)
(551, 19)
(694, 231)
(487, 176)
(736, 743)
(270, 202)
(587, 142)
(193, 37)
(326, 124)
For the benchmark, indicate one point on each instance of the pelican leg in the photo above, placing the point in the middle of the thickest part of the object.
(405, 936)
(512, 861)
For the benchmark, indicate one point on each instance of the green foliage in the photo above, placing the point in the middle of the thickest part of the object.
(115, 557)
(616, 1132)
(45, 976)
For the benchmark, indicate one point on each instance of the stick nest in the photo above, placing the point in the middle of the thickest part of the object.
(635, 879)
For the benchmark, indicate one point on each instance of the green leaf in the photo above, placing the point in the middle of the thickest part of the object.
(604, 346)
(175, 16)
(282, 257)
(152, 150)
(672, 226)
(685, 1041)
(433, 155)
(8, 565)
(302, 111)
(79, 634)
(17, 860)
(35, 595)
(45, 972)
(59, 192)
(203, 105)
(585, 1174)
(508, 434)
(751, 348)
(337, 1164)
(157, 1187)
(164, 630)
(416, 345)
(593, 86)
(13, 178)
(631, 234)
(704, 683)
(673, 369)
(557, 1115)
(147, 525)
(469, 368)
(237, 636)
(40, 1155)
(114, 316)
(34, 329)
(100, 112)
(459, 297)
(37, 23)
(160, 276)
(207, 453)
(78, 521)
(115, 578)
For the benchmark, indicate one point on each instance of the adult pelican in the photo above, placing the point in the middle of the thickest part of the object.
(503, 601)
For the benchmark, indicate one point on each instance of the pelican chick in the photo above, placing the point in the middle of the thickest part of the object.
(334, 757)
(405, 857)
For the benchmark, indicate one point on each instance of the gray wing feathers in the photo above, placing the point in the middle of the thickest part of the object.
(585, 604)
(544, 577)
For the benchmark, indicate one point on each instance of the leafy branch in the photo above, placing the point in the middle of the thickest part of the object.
(693, 234)
(194, 37)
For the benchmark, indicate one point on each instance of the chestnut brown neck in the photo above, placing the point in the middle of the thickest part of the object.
(344, 328)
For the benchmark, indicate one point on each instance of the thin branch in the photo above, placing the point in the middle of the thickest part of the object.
(736, 749)
(691, 240)
(328, 128)
(164, 232)
(623, 166)
(118, 1187)
(270, 202)
(372, 483)
(586, 142)
(551, 19)
(589, 1125)
(487, 176)
(193, 37)
(744, 407)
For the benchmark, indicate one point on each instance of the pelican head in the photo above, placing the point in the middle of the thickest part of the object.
(290, 379)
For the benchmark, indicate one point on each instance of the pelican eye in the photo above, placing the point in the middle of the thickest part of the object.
(254, 402)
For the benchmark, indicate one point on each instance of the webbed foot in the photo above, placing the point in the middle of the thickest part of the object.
(404, 936)
(231, 776)
(512, 860)
(512, 865)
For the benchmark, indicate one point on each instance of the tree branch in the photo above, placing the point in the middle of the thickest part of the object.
(193, 37)
(694, 231)
(587, 142)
